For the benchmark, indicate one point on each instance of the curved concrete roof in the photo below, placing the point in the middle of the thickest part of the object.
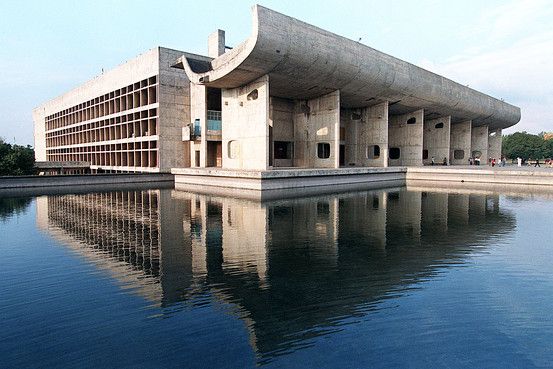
(304, 61)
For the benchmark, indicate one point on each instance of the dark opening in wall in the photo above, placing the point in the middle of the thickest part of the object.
(355, 116)
(323, 150)
(253, 95)
(476, 154)
(424, 154)
(373, 152)
(459, 154)
(412, 120)
(283, 149)
(439, 125)
(376, 202)
(395, 153)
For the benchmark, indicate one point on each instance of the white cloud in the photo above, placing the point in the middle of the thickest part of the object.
(510, 62)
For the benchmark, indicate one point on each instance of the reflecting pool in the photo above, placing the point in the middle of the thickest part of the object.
(414, 277)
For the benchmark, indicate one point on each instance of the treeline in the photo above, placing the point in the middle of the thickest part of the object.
(526, 145)
(16, 160)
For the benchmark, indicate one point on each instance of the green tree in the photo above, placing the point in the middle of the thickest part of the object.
(526, 145)
(16, 160)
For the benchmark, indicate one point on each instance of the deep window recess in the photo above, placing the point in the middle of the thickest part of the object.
(323, 150)
(439, 125)
(373, 152)
(283, 150)
(395, 153)
(253, 95)
(459, 154)
(424, 154)
(412, 120)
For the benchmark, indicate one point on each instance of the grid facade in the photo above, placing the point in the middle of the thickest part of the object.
(117, 131)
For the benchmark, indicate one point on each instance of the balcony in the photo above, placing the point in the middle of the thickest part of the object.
(214, 125)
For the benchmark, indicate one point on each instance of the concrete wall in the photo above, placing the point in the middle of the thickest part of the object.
(437, 140)
(174, 111)
(317, 121)
(460, 140)
(245, 127)
(494, 144)
(479, 143)
(281, 119)
(407, 137)
(198, 110)
(365, 128)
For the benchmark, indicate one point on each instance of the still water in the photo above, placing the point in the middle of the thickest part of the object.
(396, 278)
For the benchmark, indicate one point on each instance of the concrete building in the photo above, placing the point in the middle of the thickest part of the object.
(290, 96)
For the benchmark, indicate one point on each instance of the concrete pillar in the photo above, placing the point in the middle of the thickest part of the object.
(317, 132)
(436, 140)
(366, 135)
(403, 217)
(198, 110)
(245, 127)
(460, 149)
(405, 133)
(216, 44)
(494, 144)
(458, 209)
(434, 215)
(479, 143)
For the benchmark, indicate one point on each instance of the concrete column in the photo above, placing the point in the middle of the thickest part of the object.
(216, 44)
(317, 125)
(403, 217)
(366, 135)
(458, 209)
(245, 127)
(479, 143)
(436, 139)
(405, 132)
(198, 110)
(460, 149)
(494, 144)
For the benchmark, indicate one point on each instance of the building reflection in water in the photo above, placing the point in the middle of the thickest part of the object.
(294, 269)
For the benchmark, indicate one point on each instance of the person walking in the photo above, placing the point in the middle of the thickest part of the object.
(519, 162)
(537, 163)
(432, 163)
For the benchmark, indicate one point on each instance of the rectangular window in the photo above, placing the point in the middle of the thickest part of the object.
(283, 149)
(395, 153)
(323, 150)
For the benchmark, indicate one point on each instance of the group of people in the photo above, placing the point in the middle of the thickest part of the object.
(547, 162)
(433, 161)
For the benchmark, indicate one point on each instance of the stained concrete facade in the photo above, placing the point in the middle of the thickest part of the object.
(290, 96)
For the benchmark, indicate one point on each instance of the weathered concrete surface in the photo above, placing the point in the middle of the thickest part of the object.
(281, 179)
(304, 61)
(216, 44)
(408, 137)
(245, 127)
(281, 119)
(317, 121)
(80, 181)
(364, 129)
(479, 143)
(484, 175)
(436, 139)
(494, 144)
(460, 140)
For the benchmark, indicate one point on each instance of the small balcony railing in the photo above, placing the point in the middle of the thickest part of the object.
(214, 120)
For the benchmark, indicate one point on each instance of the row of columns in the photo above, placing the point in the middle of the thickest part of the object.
(325, 135)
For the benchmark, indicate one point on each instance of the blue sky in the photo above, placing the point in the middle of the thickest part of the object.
(503, 48)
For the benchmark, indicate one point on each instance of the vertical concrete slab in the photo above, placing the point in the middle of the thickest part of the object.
(479, 143)
(174, 111)
(403, 217)
(281, 118)
(317, 121)
(436, 139)
(405, 132)
(216, 44)
(494, 144)
(39, 116)
(460, 141)
(364, 129)
(245, 127)
(198, 110)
